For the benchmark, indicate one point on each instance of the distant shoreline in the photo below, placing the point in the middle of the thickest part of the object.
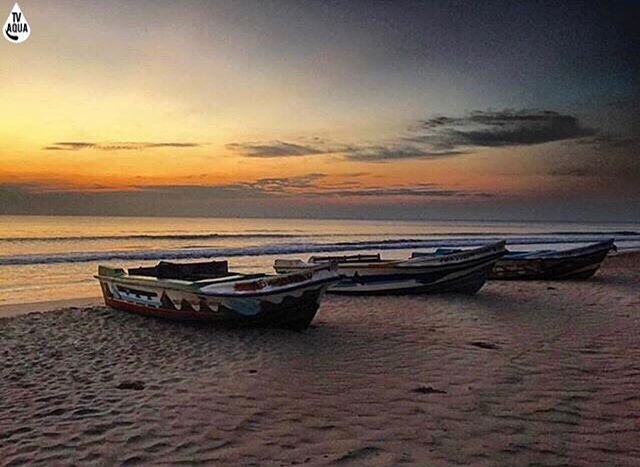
(343, 218)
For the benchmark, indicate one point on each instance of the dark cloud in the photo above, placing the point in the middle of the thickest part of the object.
(279, 198)
(306, 186)
(171, 145)
(126, 146)
(437, 122)
(261, 188)
(420, 190)
(283, 184)
(353, 152)
(439, 136)
(69, 146)
(310, 186)
(279, 149)
(499, 129)
(354, 174)
(609, 141)
(392, 152)
(570, 172)
(611, 164)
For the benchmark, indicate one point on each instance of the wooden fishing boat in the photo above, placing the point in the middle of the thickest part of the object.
(577, 263)
(459, 272)
(209, 292)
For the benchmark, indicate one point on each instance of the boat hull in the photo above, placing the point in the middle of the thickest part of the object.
(566, 266)
(291, 309)
(462, 272)
(466, 281)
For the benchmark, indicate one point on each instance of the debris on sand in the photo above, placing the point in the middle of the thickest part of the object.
(135, 385)
(428, 390)
(484, 345)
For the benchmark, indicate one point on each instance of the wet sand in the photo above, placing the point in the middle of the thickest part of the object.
(522, 373)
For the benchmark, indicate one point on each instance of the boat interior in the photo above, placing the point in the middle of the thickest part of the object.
(347, 259)
(526, 254)
(438, 252)
(185, 271)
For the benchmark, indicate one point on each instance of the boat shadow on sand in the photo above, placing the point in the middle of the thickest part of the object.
(324, 337)
(352, 327)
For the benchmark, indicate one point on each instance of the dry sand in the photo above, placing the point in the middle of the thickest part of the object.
(522, 373)
(15, 309)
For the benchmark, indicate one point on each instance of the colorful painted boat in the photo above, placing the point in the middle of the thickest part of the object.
(577, 263)
(209, 292)
(459, 272)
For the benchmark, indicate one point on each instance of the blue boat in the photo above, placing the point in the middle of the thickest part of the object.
(576, 263)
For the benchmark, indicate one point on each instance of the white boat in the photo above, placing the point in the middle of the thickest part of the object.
(459, 272)
(209, 292)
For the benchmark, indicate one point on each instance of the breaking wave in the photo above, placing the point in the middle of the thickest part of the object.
(624, 241)
(181, 236)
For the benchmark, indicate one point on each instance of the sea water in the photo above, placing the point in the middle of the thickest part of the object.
(50, 258)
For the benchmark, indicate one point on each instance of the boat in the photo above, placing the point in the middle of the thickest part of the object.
(208, 291)
(423, 273)
(576, 263)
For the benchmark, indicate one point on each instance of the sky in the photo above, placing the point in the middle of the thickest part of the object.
(325, 109)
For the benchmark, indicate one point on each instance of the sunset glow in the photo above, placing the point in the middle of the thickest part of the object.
(339, 105)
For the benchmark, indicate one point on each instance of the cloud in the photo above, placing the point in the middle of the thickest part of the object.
(354, 174)
(282, 184)
(353, 152)
(482, 129)
(125, 146)
(578, 172)
(608, 141)
(279, 149)
(438, 137)
(69, 146)
(260, 188)
(310, 186)
(419, 191)
(307, 186)
(387, 153)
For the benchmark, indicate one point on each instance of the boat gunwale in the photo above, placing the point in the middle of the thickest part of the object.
(578, 252)
(124, 280)
(482, 269)
(421, 261)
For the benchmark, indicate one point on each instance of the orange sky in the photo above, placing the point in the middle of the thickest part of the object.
(146, 102)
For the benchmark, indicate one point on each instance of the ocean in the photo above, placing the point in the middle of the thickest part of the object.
(50, 258)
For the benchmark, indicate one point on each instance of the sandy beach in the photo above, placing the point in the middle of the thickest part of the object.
(229, 162)
(522, 373)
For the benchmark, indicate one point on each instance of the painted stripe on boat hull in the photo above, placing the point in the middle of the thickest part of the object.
(458, 273)
(294, 309)
(466, 281)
